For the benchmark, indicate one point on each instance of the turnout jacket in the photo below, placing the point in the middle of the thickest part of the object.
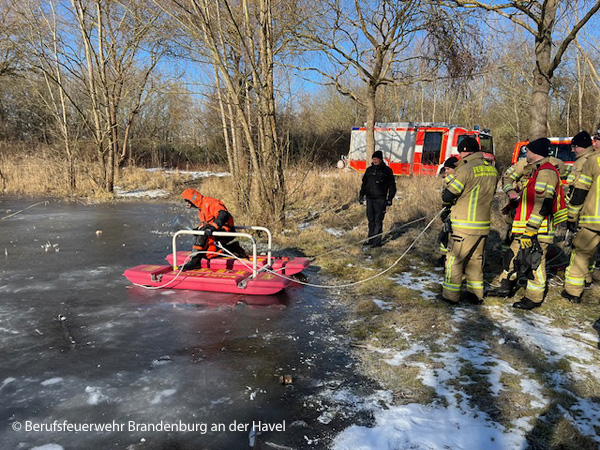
(472, 187)
(585, 201)
(211, 211)
(542, 204)
(516, 175)
(378, 182)
(580, 161)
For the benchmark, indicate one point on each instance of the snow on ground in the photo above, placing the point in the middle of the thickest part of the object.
(161, 193)
(452, 421)
(141, 193)
(194, 175)
(420, 282)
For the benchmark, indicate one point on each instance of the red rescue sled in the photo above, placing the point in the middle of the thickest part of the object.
(257, 275)
(283, 265)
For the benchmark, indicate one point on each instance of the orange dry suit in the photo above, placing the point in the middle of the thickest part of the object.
(214, 217)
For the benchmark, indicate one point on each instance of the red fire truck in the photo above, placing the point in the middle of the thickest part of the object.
(560, 147)
(412, 148)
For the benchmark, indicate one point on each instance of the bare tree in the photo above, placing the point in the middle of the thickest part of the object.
(10, 27)
(539, 19)
(120, 52)
(368, 40)
(240, 41)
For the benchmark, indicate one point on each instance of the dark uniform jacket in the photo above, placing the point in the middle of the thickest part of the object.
(378, 182)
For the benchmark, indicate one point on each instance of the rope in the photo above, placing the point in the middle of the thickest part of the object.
(337, 249)
(355, 283)
(176, 276)
(322, 286)
(18, 212)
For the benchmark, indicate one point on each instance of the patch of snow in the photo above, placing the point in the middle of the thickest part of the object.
(51, 381)
(161, 395)
(48, 447)
(140, 193)
(418, 282)
(194, 175)
(7, 381)
(95, 395)
(387, 306)
(423, 427)
(335, 232)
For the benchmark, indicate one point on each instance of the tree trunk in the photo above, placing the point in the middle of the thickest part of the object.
(542, 73)
(370, 124)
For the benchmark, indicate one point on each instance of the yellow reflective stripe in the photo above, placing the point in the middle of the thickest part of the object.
(454, 185)
(451, 286)
(585, 180)
(473, 204)
(535, 219)
(550, 190)
(540, 186)
(519, 226)
(535, 287)
(559, 216)
(471, 225)
(475, 284)
(597, 208)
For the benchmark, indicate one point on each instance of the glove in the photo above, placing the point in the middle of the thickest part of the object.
(208, 231)
(445, 214)
(389, 203)
(572, 226)
(527, 239)
(361, 200)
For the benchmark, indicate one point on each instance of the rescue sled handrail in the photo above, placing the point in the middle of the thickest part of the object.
(269, 238)
(215, 233)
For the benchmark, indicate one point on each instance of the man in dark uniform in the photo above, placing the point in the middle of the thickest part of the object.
(378, 188)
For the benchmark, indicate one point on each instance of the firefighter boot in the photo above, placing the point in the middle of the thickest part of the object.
(505, 289)
(472, 299)
(570, 297)
(526, 304)
(446, 300)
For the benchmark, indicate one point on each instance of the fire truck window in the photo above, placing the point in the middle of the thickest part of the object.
(562, 151)
(486, 143)
(432, 147)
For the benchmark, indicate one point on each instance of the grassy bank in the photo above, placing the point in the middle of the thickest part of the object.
(533, 373)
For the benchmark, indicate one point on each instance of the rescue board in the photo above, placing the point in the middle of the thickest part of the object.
(204, 279)
(256, 275)
(282, 264)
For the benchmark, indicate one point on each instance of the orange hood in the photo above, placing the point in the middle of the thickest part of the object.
(193, 196)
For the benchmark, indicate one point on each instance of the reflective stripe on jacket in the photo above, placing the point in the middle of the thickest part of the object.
(589, 180)
(544, 183)
(474, 182)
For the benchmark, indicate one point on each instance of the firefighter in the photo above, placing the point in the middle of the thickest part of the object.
(378, 187)
(213, 217)
(583, 212)
(468, 200)
(447, 169)
(584, 148)
(513, 180)
(541, 206)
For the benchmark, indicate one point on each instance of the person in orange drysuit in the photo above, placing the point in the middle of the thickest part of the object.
(213, 217)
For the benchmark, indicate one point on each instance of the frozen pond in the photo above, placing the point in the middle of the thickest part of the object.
(90, 362)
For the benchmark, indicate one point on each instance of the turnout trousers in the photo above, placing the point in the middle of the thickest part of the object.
(464, 257)
(375, 214)
(585, 243)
